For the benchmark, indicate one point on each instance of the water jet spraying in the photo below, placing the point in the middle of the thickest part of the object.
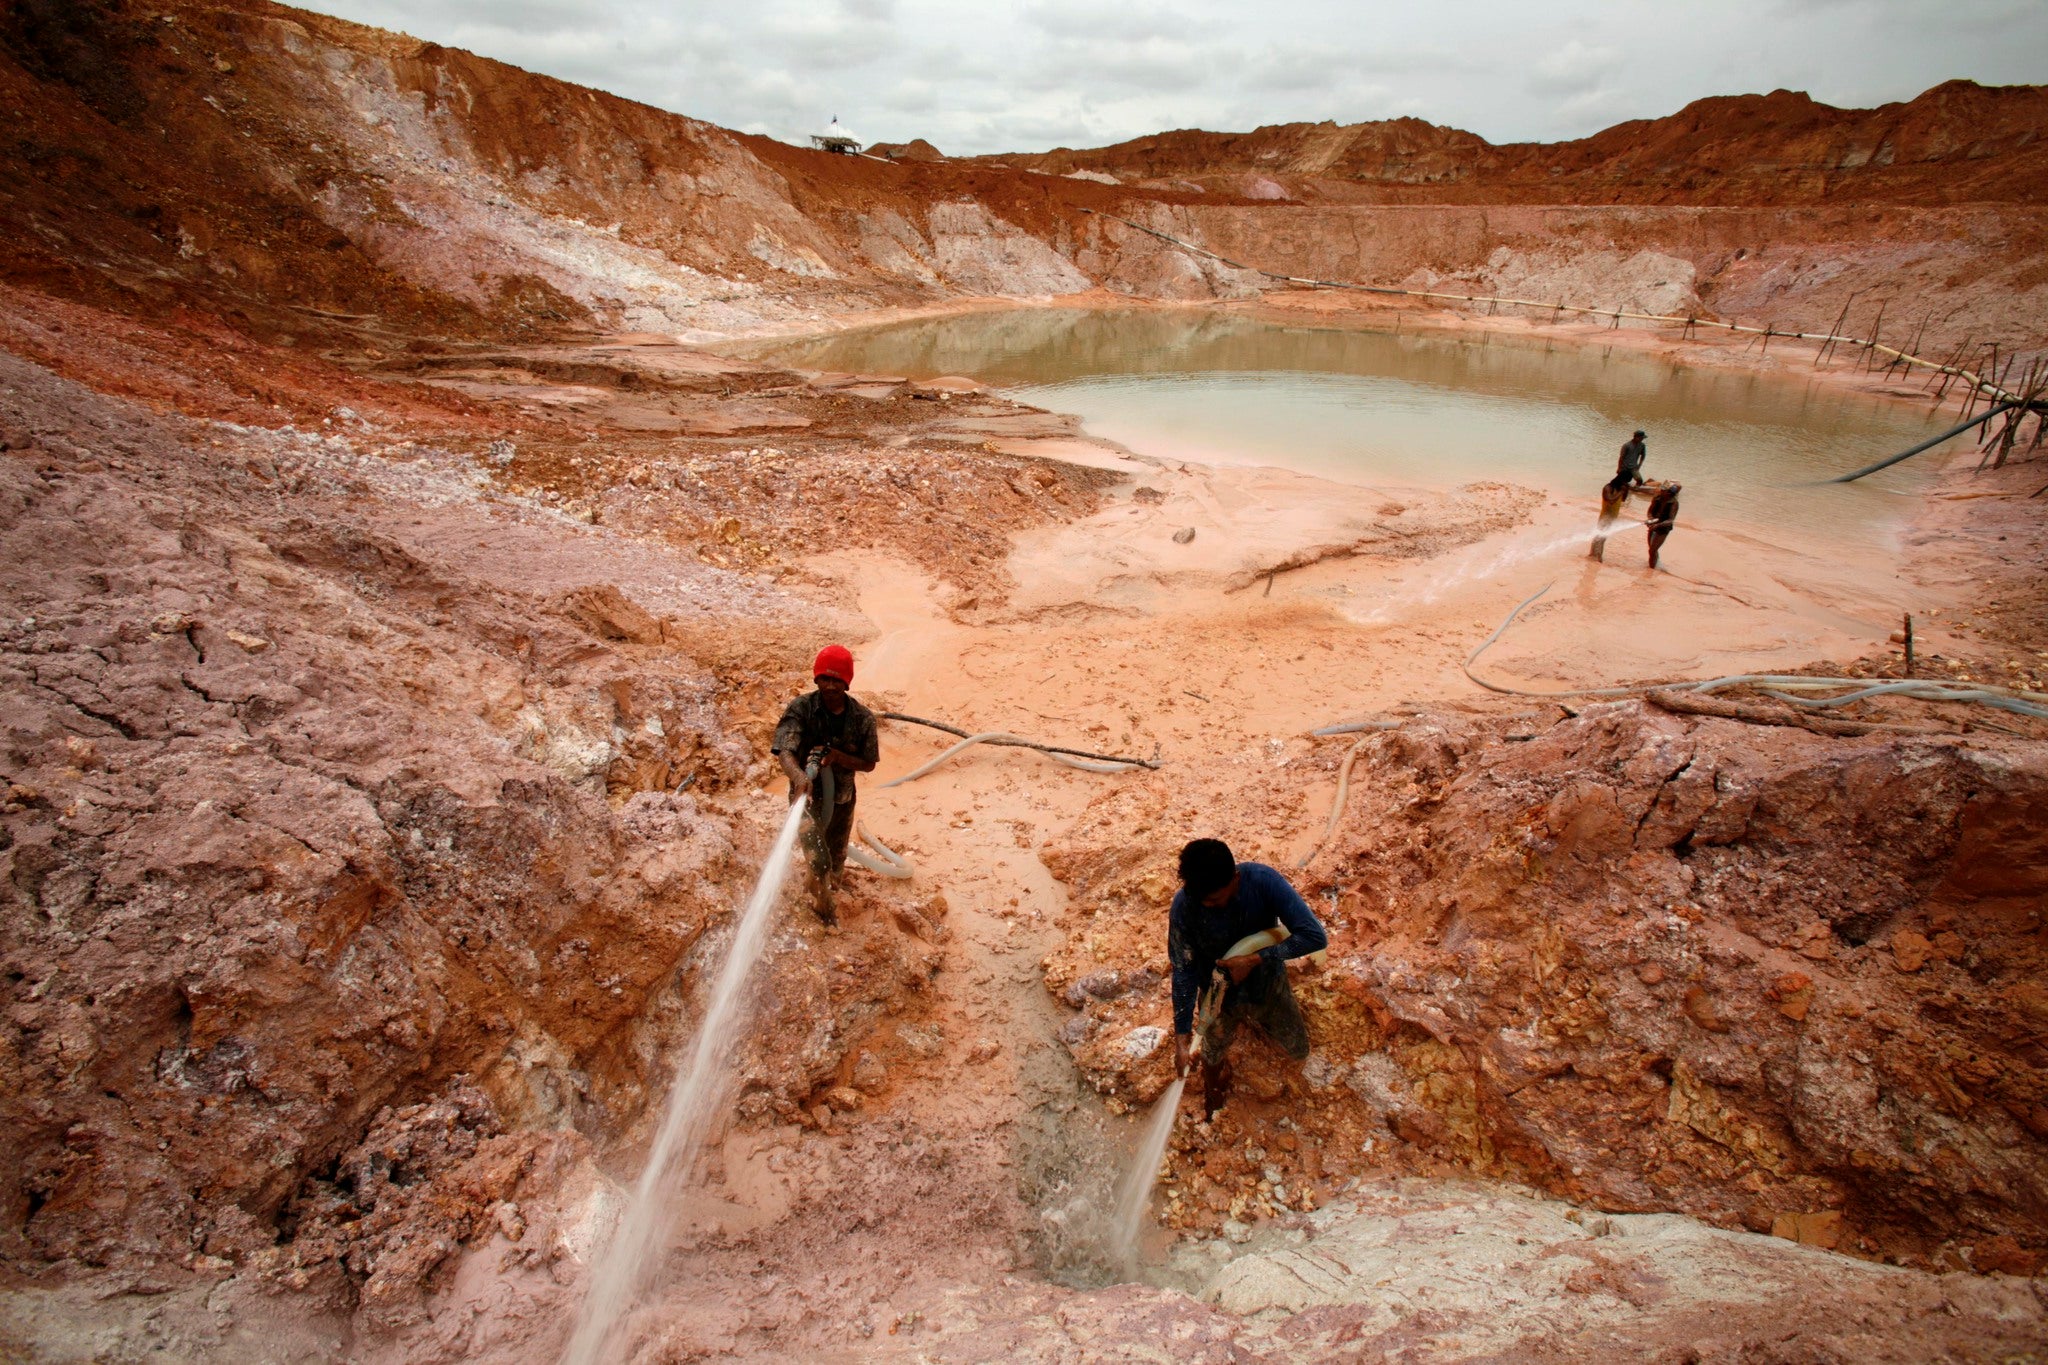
(1134, 1191)
(695, 1102)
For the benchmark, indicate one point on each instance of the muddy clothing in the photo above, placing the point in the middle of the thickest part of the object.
(1613, 497)
(825, 841)
(1197, 937)
(1663, 515)
(808, 726)
(1632, 457)
(1266, 997)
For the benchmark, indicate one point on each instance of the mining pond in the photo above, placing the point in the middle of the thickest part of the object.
(1430, 408)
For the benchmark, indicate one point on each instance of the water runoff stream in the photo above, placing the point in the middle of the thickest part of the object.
(697, 1101)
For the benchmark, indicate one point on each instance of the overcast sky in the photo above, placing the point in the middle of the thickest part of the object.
(1030, 75)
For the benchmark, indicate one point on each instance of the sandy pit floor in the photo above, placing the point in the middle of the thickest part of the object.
(944, 1201)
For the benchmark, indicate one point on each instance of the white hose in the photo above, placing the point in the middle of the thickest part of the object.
(857, 854)
(1336, 806)
(1085, 765)
(884, 860)
(1918, 690)
(1352, 727)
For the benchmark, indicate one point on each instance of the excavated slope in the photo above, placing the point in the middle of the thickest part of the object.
(1958, 143)
(324, 185)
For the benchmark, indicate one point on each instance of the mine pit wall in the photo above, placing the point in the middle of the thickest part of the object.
(1766, 979)
(344, 874)
(296, 171)
(1970, 272)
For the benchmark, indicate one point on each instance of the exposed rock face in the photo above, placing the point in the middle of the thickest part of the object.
(1772, 977)
(314, 179)
(1752, 975)
(300, 818)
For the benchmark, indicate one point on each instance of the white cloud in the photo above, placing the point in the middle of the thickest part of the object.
(1029, 74)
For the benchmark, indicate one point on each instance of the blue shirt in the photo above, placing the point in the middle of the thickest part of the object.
(1197, 936)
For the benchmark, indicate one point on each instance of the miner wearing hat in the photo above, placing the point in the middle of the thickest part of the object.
(828, 728)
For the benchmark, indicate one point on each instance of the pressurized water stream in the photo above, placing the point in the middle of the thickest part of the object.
(695, 1103)
(1134, 1191)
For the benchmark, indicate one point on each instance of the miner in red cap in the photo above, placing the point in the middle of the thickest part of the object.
(831, 729)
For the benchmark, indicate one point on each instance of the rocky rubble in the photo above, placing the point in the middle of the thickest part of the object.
(1651, 963)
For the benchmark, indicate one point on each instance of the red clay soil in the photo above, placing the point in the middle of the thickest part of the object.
(388, 660)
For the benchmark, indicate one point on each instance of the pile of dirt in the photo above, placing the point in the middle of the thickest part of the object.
(917, 149)
(1772, 980)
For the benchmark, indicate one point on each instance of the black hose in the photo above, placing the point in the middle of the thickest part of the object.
(1928, 444)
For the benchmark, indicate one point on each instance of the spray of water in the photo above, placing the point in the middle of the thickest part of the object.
(1134, 1191)
(695, 1102)
(1476, 567)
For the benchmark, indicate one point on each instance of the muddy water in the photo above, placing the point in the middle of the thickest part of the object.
(1376, 407)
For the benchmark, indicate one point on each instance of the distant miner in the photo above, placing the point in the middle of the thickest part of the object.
(1663, 515)
(1613, 495)
(1245, 920)
(828, 731)
(1633, 454)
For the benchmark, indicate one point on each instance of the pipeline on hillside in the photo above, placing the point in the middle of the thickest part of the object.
(1978, 383)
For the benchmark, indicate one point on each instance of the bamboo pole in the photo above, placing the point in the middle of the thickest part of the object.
(1912, 346)
(1951, 371)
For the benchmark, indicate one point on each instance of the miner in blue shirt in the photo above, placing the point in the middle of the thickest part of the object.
(1221, 901)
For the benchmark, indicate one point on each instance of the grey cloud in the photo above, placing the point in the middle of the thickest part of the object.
(1034, 73)
(1572, 69)
(1092, 23)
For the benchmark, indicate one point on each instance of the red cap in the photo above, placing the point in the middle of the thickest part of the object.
(834, 661)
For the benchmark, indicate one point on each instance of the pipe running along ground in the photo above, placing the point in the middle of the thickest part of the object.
(1336, 805)
(878, 857)
(1920, 689)
(998, 736)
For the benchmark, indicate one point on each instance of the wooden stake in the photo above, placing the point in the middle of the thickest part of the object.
(1909, 644)
(1833, 332)
(1913, 349)
(1876, 331)
(1953, 370)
